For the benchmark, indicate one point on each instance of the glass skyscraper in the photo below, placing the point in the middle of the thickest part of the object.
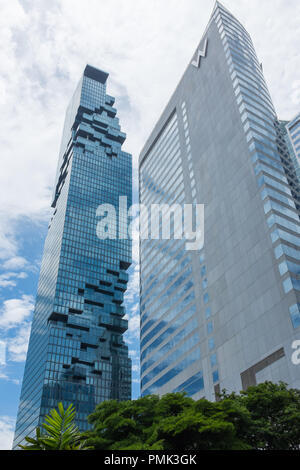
(225, 316)
(293, 141)
(76, 350)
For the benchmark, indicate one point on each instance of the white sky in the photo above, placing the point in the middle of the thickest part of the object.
(145, 45)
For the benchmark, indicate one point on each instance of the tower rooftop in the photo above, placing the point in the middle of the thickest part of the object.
(95, 74)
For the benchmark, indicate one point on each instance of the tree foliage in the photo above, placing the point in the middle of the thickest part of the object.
(173, 422)
(266, 416)
(275, 416)
(60, 432)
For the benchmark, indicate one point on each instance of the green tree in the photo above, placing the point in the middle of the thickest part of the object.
(265, 417)
(61, 433)
(206, 426)
(275, 416)
(172, 422)
(123, 425)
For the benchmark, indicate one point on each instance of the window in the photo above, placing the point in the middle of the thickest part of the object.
(295, 315)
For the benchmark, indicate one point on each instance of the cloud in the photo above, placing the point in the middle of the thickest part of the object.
(10, 279)
(2, 353)
(15, 312)
(45, 46)
(5, 377)
(295, 96)
(8, 243)
(134, 354)
(134, 325)
(133, 286)
(15, 263)
(5, 282)
(18, 345)
(15, 325)
(7, 427)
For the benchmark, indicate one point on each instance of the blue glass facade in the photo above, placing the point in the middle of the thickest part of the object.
(76, 350)
(169, 336)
